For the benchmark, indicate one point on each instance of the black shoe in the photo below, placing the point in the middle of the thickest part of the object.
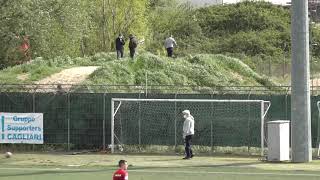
(186, 158)
(191, 156)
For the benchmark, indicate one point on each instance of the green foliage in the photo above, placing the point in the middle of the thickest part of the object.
(251, 28)
(251, 43)
(101, 58)
(85, 28)
(36, 70)
(40, 68)
(66, 28)
(108, 18)
(170, 18)
(54, 27)
(315, 40)
(115, 73)
(246, 16)
(201, 70)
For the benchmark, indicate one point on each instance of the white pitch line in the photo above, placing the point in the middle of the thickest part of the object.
(155, 171)
(47, 169)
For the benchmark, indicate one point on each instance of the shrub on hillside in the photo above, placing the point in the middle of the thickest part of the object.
(201, 70)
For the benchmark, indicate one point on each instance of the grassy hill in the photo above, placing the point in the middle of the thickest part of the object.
(202, 70)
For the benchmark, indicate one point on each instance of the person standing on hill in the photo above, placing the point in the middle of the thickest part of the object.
(133, 44)
(120, 42)
(169, 44)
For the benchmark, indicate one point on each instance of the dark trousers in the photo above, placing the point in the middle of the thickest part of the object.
(170, 52)
(188, 149)
(119, 53)
(132, 53)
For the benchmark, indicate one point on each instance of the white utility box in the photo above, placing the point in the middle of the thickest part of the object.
(279, 140)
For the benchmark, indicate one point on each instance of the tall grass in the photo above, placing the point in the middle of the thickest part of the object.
(204, 70)
(40, 68)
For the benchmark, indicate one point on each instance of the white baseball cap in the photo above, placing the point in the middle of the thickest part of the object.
(186, 112)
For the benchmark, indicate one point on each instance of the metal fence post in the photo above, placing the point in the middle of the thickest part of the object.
(175, 121)
(211, 125)
(262, 128)
(139, 121)
(33, 109)
(318, 128)
(248, 125)
(68, 119)
(112, 126)
(104, 123)
(286, 103)
(33, 102)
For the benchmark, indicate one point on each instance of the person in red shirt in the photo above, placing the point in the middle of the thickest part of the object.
(121, 173)
(25, 48)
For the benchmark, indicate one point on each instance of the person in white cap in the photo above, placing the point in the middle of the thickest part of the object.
(188, 132)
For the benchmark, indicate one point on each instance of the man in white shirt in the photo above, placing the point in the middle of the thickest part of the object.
(169, 44)
(188, 132)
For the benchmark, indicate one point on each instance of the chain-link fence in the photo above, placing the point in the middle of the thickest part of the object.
(77, 119)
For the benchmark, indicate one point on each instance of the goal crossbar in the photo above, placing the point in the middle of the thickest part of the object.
(187, 100)
(264, 111)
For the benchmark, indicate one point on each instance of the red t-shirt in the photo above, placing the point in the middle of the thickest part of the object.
(25, 45)
(120, 174)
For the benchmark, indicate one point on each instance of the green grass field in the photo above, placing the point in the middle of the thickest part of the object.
(101, 166)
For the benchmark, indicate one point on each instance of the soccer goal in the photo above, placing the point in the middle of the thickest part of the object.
(141, 123)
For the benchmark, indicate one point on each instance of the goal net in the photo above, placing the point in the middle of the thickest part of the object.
(155, 125)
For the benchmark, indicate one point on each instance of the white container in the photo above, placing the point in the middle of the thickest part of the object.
(279, 140)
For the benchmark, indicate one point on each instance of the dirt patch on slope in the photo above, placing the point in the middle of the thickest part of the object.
(66, 78)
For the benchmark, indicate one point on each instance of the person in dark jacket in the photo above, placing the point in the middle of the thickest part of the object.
(133, 44)
(120, 42)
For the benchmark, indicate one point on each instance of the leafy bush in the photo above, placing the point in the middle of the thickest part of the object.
(201, 70)
(251, 28)
(103, 57)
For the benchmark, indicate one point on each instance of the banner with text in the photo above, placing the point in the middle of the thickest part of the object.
(25, 128)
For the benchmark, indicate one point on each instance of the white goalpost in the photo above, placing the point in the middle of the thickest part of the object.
(318, 138)
(217, 122)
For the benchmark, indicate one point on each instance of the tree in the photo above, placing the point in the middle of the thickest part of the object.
(171, 18)
(114, 17)
(251, 28)
(54, 27)
(67, 27)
